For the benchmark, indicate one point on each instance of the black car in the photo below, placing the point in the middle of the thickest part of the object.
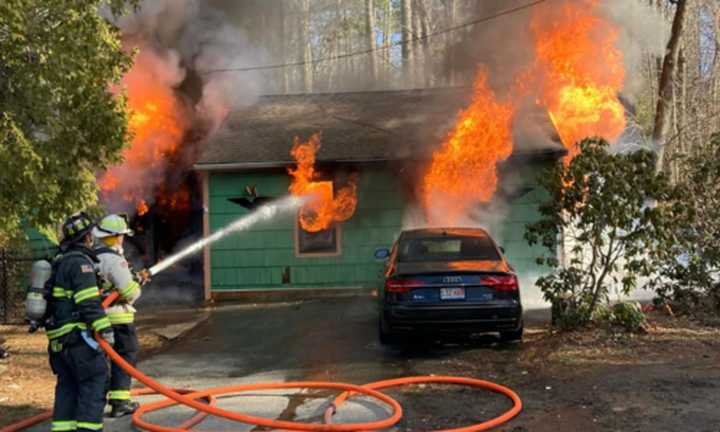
(448, 281)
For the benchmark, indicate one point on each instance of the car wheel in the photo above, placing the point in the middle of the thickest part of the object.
(512, 336)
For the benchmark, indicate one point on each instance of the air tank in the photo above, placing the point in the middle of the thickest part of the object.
(35, 303)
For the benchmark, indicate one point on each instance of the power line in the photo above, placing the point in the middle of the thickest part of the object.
(381, 48)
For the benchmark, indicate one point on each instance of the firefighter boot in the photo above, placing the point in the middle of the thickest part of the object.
(123, 407)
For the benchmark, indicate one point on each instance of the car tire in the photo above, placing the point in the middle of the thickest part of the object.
(512, 336)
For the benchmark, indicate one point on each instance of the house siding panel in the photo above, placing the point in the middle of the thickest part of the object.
(257, 258)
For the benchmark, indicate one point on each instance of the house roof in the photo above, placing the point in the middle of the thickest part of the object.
(357, 127)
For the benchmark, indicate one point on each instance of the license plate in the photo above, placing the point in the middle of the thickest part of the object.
(452, 293)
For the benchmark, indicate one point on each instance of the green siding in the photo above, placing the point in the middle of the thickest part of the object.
(521, 210)
(40, 245)
(256, 259)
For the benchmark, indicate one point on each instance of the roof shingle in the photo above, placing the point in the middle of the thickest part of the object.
(357, 127)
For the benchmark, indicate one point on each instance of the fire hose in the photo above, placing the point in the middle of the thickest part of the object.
(193, 399)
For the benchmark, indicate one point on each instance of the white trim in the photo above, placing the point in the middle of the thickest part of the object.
(338, 241)
(233, 166)
(207, 265)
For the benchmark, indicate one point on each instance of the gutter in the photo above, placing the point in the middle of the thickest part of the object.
(236, 166)
(255, 165)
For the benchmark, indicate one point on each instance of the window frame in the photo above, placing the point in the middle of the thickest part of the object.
(338, 241)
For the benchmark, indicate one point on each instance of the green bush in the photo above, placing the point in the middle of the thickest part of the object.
(689, 276)
(626, 316)
(604, 208)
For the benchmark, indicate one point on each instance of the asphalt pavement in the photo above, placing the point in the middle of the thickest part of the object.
(332, 339)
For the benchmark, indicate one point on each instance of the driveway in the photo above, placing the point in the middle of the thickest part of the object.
(664, 381)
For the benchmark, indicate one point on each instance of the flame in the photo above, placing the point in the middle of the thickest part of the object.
(463, 171)
(156, 122)
(175, 200)
(325, 206)
(581, 71)
(142, 207)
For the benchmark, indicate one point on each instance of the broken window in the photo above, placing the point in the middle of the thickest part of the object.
(323, 242)
(308, 239)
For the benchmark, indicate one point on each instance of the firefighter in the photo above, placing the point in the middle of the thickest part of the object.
(73, 311)
(117, 275)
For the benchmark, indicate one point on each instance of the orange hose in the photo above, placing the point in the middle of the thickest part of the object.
(248, 419)
(190, 399)
(47, 415)
(486, 425)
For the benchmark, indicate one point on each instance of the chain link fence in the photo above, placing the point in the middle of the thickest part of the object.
(14, 278)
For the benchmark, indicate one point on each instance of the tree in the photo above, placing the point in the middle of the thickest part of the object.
(306, 42)
(690, 271)
(602, 207)
(408, 63)
(59, 120)
(370, 35)
(665, 98)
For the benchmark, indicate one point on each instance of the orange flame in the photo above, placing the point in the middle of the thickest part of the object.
(463, 171)
(581, 71)
(325, 207)
(156, 122)
(142, 207)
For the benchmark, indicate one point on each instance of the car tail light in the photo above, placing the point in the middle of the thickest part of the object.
(402, 285)
(504, 283)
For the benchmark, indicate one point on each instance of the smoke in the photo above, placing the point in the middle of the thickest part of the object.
(176, 104)
(505, 47)
(211, 43)
(539, 67)
(205, 40)
(643, 31)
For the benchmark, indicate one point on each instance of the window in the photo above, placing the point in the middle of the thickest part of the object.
(447, 249)
(325, 242)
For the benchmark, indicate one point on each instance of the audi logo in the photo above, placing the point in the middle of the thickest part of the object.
(452, 279)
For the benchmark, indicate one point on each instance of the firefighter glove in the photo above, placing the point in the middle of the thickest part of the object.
(143, 276)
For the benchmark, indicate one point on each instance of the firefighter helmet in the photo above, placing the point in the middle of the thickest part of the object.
(76, 227)
(112, 225)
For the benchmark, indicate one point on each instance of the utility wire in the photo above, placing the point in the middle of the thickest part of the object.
(380, 48)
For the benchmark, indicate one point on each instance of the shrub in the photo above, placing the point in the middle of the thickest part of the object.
(602, 210)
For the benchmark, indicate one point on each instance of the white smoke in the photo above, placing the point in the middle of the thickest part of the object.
(215, 46)
(205, 40)
(178, 42)
(644, 32)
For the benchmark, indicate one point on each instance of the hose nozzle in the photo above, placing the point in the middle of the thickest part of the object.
(143, 276)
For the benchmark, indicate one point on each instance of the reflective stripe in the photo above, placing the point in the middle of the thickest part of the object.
(121, 317)
(60, 292)
(86, 294)
(119, 395)
(62, 331)
(90, 426)
(101, 323)
(129, 289)
(69, 425)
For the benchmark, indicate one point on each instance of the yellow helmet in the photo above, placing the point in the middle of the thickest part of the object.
(112, 225)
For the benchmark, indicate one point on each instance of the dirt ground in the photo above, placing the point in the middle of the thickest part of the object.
(593, 380)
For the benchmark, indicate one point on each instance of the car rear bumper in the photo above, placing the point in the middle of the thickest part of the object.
(452, 318)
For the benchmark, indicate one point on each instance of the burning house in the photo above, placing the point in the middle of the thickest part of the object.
(374, 148)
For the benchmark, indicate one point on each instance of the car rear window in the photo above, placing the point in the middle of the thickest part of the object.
(447, 249)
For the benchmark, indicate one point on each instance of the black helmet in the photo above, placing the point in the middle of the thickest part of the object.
(76, 227)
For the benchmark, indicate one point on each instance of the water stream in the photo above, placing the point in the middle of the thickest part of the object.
(261, 214)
